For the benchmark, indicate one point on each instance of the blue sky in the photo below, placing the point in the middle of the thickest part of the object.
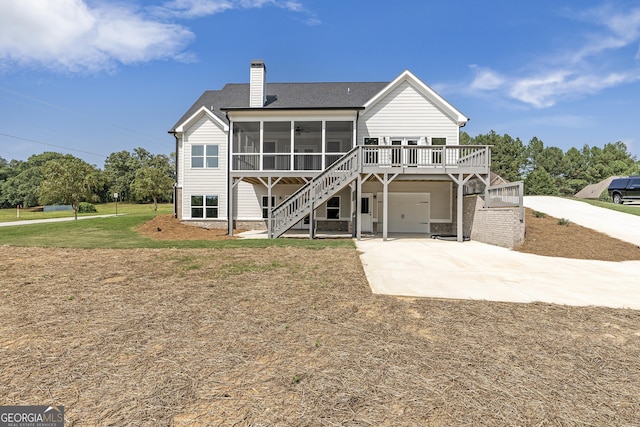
(92, 77)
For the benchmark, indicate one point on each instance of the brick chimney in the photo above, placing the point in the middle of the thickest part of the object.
(257, 83)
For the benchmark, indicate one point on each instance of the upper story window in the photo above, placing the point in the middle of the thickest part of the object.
(204, 156)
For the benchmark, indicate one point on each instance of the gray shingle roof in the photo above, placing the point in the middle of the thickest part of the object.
(287, 96)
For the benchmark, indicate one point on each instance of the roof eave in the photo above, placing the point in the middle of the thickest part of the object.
(180, 128)
(288, 108)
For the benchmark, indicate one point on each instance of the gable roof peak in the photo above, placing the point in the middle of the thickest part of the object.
(427, 91)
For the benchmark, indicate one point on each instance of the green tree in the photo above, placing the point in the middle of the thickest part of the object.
(4, 174)
(540, 182)
(120, 170)
(152, 182)
(508, 156)
(23, 180)
(68, 180)
(533, 152)
(575, 165)
(465, 139)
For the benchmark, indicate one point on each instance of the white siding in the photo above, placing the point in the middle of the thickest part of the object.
(248, 206)
(203, 181)
(248, 201)
(405, 112)
(256, 86)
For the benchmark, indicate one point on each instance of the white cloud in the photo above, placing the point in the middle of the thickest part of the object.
(583, 70)
(69, 35)
(85, 36)
(194, 8)
(202, 8)
(486, 79)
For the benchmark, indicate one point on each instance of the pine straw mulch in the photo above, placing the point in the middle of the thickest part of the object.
(294, 337)
(545, 236)
(166, 227)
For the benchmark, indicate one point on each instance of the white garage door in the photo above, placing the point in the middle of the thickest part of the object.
(408, 212)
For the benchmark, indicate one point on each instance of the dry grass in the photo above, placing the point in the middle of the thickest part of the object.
(282, 336)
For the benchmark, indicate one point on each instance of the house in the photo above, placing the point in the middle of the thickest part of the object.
(359, 157)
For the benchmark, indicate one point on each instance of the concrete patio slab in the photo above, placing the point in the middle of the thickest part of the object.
(432, 268)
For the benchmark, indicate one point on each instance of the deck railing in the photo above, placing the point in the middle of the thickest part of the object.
(419, 156)
(342, 171)
(506, 195)
(426, 156)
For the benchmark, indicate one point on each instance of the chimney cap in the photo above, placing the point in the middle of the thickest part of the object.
(257, 63)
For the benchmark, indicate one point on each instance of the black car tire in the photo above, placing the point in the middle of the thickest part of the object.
(617, 199)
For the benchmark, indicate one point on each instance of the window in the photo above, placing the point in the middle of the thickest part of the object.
(333, 208)
(204, 156)
(438, 141)
(265, 205)
(204, 206)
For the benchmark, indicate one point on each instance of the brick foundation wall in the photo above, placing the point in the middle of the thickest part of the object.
(323, 225)
(178, 202)
(262, 225)
(495, 226)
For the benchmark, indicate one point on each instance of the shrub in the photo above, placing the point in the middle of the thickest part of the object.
(563, 221)
(85, 207)
(539, 214)
(604, 196)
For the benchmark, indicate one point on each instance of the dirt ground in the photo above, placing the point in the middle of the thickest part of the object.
(544, 236)
(294, 337)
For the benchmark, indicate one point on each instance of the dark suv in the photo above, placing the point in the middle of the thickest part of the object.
(625, 189)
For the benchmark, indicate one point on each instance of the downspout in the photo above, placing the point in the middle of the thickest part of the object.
(230, 223)
(175, 184)
(354, 220)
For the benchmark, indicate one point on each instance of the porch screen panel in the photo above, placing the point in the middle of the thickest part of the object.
(307, 145)
(246, 145)
(338, 140)
(277, 146)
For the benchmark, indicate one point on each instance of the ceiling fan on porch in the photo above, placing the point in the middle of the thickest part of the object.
(299, 130)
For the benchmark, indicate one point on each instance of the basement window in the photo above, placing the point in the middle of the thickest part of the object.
(333, 208)
(204, 206)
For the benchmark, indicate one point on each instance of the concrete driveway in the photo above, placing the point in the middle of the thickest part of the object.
(424, 267)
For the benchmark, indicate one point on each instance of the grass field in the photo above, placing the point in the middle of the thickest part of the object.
(7, 215)
(630, 209)
(117, 232)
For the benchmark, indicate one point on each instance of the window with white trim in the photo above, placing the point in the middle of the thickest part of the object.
(204, 206)
(333, 208)
(265, 205)
(204, 156)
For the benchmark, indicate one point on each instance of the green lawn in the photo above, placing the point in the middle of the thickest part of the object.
(118, 232)
(630, 209)
(7, 215)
